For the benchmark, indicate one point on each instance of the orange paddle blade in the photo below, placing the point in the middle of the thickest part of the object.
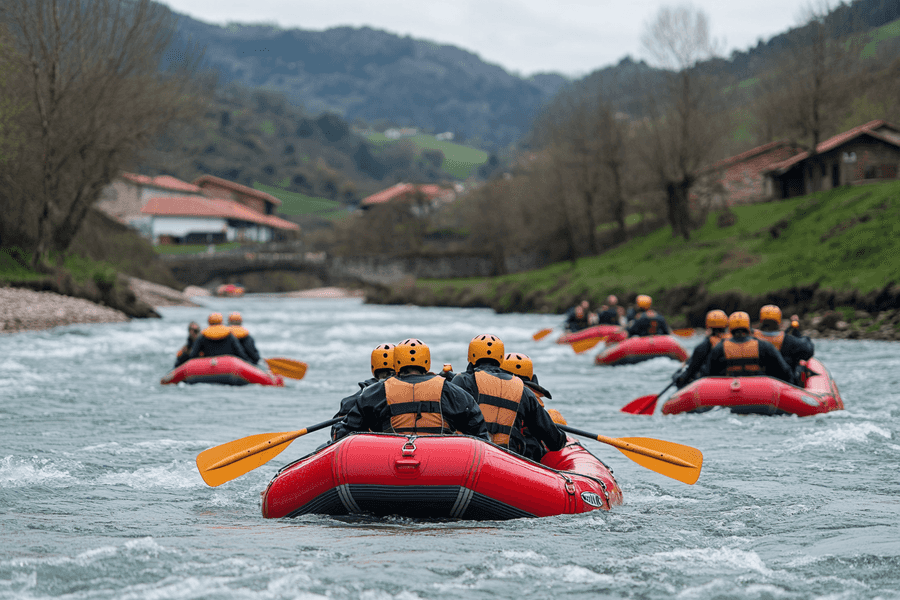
(645, 405)
(688, 332)
(586, 344)
(686, 468)
(286, 367)
(542, 334)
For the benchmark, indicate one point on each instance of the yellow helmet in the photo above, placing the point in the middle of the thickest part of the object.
(383, 357)
(716, 319)
(644, 302)
(739, 320)
(518, 364)
(235, 318)
(412, 353)
(770, 312)
(486, 346)
(215, 319)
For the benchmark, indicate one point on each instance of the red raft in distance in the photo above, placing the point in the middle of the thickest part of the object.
(441, 476)
(638, 349)
(597, 331)
(759, 395)
(227, 370)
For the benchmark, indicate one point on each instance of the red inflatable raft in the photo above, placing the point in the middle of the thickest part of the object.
(228, 370)
(638, 349)
(456, 477)
(759, 395)
(596, 331)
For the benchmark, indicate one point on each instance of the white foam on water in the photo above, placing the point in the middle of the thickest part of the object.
(567, 573)
(722, 588)
(383, 595)
(707, 558)
(175, 475)
(837, 438)
(523, 555)
(17, 472)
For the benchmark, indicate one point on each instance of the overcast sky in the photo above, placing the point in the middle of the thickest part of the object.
(573, 37)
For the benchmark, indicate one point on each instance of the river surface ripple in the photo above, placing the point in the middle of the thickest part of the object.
(100, 497)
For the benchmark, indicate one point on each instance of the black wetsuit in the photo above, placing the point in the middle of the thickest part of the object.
(227, 345)
(648, 323)
(770, 360)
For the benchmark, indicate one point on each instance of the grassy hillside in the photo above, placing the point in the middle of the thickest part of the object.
(845, 239)
(293, 203)
(460, 161)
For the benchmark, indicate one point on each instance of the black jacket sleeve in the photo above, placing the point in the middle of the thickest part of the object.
(774, 363)
(539, 423)
(237, 349)
(249, 347)
(695, 364)
(461, 411)
(715, 364)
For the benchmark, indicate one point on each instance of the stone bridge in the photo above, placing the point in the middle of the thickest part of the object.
(201, 269)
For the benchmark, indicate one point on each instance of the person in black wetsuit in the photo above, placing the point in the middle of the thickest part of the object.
(414, 401)
(744, 355)
(648, 321)
(609, 315)
(577, 317)
(193, 332)
(382, 368)
(522, 367)
(793, 348)
(216, 340)
(235, 324)
(716, 331)
(505, 401)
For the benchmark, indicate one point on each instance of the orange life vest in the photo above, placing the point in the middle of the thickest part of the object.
(499, 400)
(416, 407)
(238, 331)
(652, 327)
(216, 332)
(741, 358)
(776, 340)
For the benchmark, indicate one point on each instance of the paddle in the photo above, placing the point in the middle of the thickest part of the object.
(687, 332)
(229, 461)
(286, 367)
(542, 334)
(645, 405)
(580, 346)
(666, 458)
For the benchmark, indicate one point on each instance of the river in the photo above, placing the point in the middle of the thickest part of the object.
(100, 497)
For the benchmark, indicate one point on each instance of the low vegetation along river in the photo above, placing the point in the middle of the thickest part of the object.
(101, 498)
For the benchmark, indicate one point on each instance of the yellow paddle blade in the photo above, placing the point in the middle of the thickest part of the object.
(245, 459)
(662, 463)
(688, 332)
(542, 334)
(286, 367)
(586, 344)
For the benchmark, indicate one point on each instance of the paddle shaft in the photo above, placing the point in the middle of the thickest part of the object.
(271, 443)
(621, 445)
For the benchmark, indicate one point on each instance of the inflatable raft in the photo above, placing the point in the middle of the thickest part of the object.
(596, 331)
(456, 477)
(638, 349)
(759, 395)
(228, 370)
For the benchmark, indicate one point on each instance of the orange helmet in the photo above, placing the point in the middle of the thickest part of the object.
(644, 302)
(770, 312)
(518, 364)
(486, 346)
(235, 318)
(412, 353)
(739, 320)
(716, 319)
(215, 319)
(383, 357)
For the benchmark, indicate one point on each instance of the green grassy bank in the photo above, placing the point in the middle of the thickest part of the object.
(830, 249)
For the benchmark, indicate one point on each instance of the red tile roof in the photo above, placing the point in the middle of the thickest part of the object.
(430, 190)
(199, 206)
(165, 182)
(743, 156)
(842, 138)
(237, 187)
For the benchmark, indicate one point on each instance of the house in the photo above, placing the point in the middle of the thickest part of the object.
(870, 152)
(431, 195)
(124, 198)
(741, 179)
(216, 187)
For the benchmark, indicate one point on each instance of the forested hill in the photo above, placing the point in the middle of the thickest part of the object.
(372, 75)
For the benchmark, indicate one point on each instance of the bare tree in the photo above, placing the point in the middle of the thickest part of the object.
(91, 74)
(681, 132)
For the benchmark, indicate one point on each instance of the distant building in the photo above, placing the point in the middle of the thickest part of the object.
(124, 198)
(741, 179)
(431, 195)
(867, 153)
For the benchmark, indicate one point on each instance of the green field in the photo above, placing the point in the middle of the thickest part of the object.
(460, 161)
(194, 248)
(844, 239)
(293, 203)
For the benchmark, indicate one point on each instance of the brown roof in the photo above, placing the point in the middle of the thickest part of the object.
(199, 206)
(738, 158)
(430, 190)
(831, 143)
(165, 182)
(237, 187)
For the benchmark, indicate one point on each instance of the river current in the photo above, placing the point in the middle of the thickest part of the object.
(100, 497)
